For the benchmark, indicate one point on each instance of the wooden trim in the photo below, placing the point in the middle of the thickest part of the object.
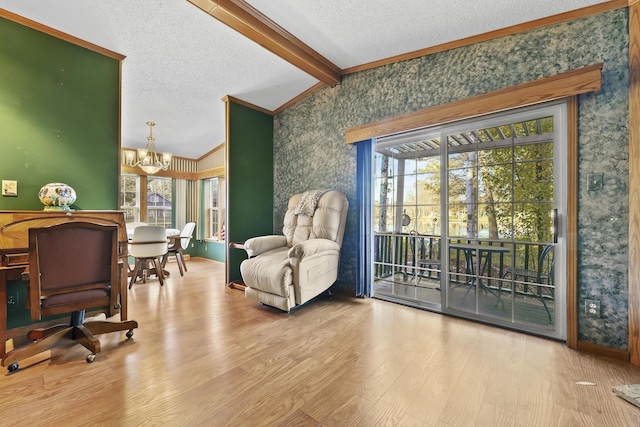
(227, 125)
(207, 154)
(599, 350)
(249, 22)
(135, 170)
(59, 34)
(572, 223)
(514, 29)
(303, 95)
(634, 183)
(582, 80)
(247, 104)
(143, 200)
(209, 173)
(119, 186)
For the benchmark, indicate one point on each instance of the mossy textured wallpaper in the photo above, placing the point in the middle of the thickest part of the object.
(310, 150)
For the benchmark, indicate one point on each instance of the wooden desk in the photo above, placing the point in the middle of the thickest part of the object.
(14, 249)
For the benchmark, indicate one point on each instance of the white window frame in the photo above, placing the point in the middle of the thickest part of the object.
(135, 208)
(212, 202)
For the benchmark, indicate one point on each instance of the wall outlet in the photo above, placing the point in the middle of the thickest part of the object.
(12, 298)
(592, 307)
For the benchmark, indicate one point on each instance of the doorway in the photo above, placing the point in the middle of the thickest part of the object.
(468, 219)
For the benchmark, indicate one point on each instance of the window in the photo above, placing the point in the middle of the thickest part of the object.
(159, 201)
(129, 200)
(214, 214)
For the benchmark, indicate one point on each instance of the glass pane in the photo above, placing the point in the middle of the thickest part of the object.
(383, 219)
(462, 185)
(533, 181)
(494, 221)
(428, 220)
(428, 164)
(409, 166)
(159, 201)
(461, 221)
(383, 165)
(383, 191)
(532, 222)
(409, 189)
(534, 152)
(428, 188)
(494, 183)
(495, 156)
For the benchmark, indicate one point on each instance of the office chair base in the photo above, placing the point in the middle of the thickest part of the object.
(53, 337)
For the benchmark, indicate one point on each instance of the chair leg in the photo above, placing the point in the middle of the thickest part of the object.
(37, 347)
(84, 337)
(98, 327)
(159, 272)
(184, 264)
(180, 262)
(41, 333)
(136, 270)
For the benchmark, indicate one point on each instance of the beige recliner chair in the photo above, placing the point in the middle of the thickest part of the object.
(285, 271)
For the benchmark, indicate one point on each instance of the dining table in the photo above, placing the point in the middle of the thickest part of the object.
(483, 251)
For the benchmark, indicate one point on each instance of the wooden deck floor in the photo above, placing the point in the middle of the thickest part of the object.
(206, 356)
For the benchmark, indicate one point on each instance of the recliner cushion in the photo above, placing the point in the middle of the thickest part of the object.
(324, 224)
(269, 272)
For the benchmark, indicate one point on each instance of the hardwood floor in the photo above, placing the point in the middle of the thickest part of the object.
(205, 355)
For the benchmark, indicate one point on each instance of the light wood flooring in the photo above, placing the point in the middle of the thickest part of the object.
(206, 356)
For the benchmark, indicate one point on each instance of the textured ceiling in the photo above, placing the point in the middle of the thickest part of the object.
(180, 62)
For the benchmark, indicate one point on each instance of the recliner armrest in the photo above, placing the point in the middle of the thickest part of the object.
(261, 244)
(312, 247)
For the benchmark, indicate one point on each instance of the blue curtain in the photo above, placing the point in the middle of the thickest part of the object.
(364, 194)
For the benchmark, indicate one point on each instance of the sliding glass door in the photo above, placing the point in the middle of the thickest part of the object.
(469, 219)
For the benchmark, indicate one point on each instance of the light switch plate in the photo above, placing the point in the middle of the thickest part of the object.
(9, 188)
(594, 181)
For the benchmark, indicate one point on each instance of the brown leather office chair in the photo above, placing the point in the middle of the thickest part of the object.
(73, 267)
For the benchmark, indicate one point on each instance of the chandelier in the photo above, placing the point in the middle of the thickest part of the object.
(147, 158)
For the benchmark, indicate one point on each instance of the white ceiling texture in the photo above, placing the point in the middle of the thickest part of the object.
(180, 62)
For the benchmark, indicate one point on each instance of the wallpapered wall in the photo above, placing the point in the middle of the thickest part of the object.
(310, 149)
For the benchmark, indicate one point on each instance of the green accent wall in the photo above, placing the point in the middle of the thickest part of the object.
(59, 106)
(249, 169)
(59, 122)
(209, 250)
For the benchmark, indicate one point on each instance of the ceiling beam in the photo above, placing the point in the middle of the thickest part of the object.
(248, 21)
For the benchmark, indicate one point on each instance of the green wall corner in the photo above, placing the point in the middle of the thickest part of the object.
(249, 180)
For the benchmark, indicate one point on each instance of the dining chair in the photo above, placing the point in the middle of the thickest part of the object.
(178, 244)
(132, 226)
(148, 245)
(425, 257)
(541, 278)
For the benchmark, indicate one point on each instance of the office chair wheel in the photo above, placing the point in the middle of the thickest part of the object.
(13, 367)
(91, 358)
(130, 333)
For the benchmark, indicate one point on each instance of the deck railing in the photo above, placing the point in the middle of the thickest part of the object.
(398, 252)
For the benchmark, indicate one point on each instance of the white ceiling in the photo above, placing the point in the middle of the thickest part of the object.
(180, 62)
